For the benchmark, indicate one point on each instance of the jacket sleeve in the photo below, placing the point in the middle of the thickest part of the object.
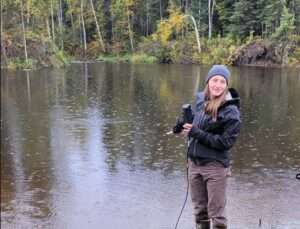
(223, 141)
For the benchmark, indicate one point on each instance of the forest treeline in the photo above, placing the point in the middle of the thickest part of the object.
(52, 32)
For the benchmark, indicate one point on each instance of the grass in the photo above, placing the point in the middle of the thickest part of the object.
(143, 58)
(21, 63)
(113, 58)
(129, 58)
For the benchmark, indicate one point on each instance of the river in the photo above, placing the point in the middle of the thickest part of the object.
(86, 147)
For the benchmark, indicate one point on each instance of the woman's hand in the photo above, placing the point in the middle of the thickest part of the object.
(187, 128)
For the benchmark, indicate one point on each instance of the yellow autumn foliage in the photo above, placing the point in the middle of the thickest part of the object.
(166, 28)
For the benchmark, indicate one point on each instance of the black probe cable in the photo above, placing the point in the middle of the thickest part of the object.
(298, 176)
(187, 179)
(187, 190)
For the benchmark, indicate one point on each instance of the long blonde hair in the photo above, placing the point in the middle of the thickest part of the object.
(212, 105)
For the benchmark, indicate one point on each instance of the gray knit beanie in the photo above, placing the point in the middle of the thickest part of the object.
(221, 70)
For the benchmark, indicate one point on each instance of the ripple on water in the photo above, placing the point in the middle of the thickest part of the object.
(141, 181)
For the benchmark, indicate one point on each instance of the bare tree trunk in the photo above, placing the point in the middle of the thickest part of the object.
(23, 30)
(80, 34)
(60, 25)
(3, 50)
(186, 10)
(83, 28)
(97, 26)
(107, 25)
(52, 21)
(160, 9)
(73, 30)
(212, 12)
(60, 11)
(209, 19)
(112, 30)
(48, 28)
(28, 13)
(147, 18)
(129, 29)
(199, 21)
(1, 21)
(211, 5)
(196, 31)
(72, 20)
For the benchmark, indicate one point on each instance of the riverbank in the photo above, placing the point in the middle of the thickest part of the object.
(37, 34)
(250, 52)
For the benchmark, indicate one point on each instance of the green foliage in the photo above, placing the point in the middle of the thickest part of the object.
(294, 55)
(134, 58)
(286, 28)
(143, 58)
(270, 16)
(168, 27)
(294, 58)
(155, 30)
(156, 49)
(168, 30)
(21, 63)
(244, 18)
(63, 57)
(199, 12)
(225, 12)
(114, 58)
(59, 59)
(217, 50)
(295, 9)
(122, 13)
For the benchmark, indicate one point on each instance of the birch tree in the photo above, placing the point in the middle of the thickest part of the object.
(3, 50)
(97, 26)
(129, 4)
(52, 21)
(196, 31)
(122, 19)
(60, 24)
(211, 4)
(83, 28)
(23, 30)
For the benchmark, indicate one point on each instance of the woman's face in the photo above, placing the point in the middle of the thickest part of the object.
(216, 85)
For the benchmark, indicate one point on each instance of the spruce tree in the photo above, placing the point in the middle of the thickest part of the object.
(244, 19)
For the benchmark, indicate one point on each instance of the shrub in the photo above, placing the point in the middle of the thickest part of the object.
(143, 58)
(21, 63)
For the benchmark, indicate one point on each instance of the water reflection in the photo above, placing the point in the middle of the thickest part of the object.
(87, 146)
(271, 120)
(25, 166)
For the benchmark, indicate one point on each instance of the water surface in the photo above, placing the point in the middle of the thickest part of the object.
(86, 147)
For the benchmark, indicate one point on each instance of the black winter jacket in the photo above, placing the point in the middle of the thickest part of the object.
(211, 140)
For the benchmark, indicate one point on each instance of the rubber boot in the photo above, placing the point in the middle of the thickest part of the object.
(204, 224)
(219, 227)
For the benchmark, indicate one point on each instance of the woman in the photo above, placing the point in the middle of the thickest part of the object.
(214, 130)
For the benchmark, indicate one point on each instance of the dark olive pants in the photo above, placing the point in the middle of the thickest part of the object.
(208, 192)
